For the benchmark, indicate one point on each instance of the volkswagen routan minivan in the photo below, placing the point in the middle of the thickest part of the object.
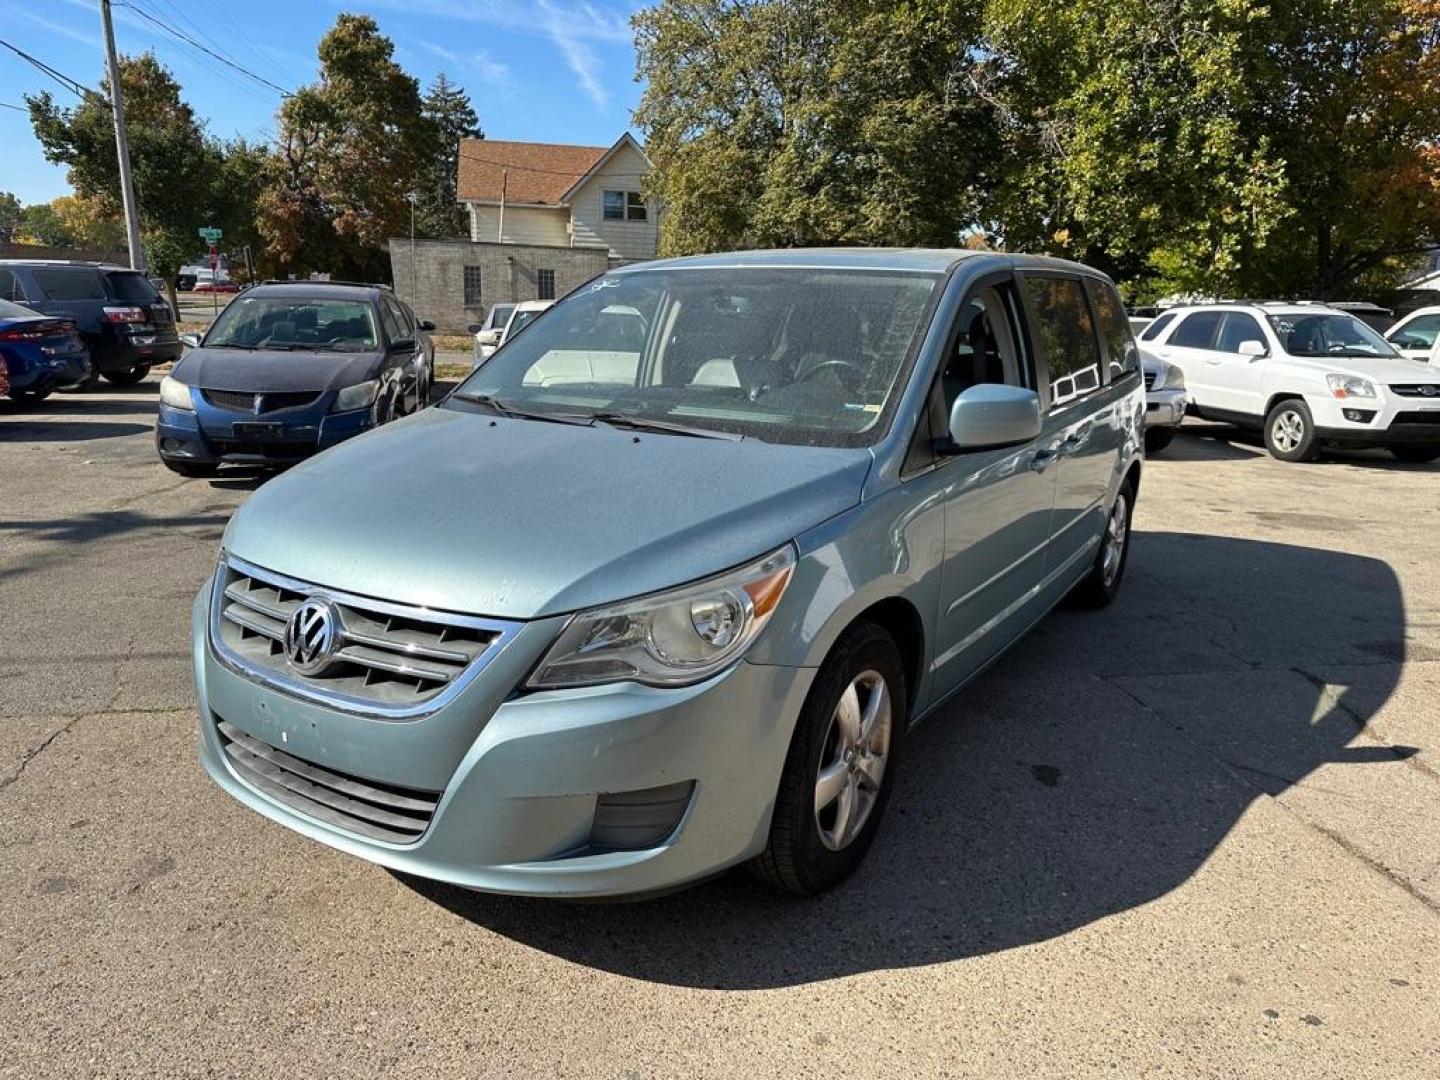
(659, 589)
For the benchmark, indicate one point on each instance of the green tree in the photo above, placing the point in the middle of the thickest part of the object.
(447, 109)
(11, 213)
(783, 122)
(41, 224)
(350, 147)
(173, 162)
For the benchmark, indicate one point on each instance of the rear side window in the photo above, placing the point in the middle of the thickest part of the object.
(1196, 331)
(1115, 329)
(1236, 328)
(135, 288)
(1151, 332)
(69, 283)
(1065, 335)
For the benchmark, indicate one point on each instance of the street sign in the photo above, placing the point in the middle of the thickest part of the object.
(210, 236)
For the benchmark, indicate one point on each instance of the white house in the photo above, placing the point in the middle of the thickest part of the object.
(556, 195)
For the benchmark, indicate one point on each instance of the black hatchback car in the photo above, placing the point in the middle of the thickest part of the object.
(290, 368)
(127, 326)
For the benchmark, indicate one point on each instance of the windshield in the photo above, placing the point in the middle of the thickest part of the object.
(500, 315)
(789, 355)
(1328, 334)
(283, 322)
(519, 321)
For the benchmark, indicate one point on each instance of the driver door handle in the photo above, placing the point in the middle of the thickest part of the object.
(1043, 459)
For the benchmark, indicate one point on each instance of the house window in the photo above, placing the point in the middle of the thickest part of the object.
(545, 284)
(472, 286)
(624, 206)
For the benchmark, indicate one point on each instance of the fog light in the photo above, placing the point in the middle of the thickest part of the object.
(632, 820)
(1359, 416)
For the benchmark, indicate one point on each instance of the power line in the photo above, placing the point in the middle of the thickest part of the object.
(239, 32)
(17, 108)
(182, 36)
(75, 86)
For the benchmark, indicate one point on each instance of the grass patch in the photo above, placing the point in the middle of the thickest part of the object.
(453, 342)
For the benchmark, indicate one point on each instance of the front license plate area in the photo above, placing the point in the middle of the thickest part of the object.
(259, 431)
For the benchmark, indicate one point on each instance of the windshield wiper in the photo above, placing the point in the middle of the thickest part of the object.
(669, 427)
(504, 409)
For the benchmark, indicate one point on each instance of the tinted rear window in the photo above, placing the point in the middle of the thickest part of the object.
(133, 287)
(69, 283)
(1197, 331)
(1151, 332)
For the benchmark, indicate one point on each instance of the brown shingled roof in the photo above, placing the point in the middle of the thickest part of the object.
(538, 172)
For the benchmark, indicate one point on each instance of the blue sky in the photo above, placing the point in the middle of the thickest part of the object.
(545, 70)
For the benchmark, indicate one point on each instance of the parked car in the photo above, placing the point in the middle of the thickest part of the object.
(40, 353)
(526, 312)
(1417, 336)
(488, 333)
(1374, 316)
(1304, 374)
(198, 277)
(607, 637)
(290, 368)
(125, 324)
(1165, 401)
(4, 377)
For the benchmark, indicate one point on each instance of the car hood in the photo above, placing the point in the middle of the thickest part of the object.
(1383, 370)
(273, 371)
(520, 519)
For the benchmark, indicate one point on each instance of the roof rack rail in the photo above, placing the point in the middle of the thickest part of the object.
(307, 281)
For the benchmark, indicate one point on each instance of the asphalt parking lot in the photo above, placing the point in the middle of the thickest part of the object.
(1197, 834)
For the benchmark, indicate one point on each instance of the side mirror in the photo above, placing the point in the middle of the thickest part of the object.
(475, 327)
(190, 341)
(426, 325)
(991, 415)
(404, 344)
(1253, 349)
(492, 337)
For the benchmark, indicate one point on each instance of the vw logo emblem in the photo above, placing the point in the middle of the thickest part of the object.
(1428, 390)
(311, 636)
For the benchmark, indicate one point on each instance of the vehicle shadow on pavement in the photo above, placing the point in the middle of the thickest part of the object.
(58, 431)
(1091, 771)
(1213, 442)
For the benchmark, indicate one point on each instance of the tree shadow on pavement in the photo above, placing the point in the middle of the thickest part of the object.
(1060, 788)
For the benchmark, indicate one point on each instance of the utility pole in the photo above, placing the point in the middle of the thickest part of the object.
(411, 197)
(122, 146)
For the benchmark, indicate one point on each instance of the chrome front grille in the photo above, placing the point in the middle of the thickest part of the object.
(1149, 380)
(379, 811)
(1430, 390)
(387, 659)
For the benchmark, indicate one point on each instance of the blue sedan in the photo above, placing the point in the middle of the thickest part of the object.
(40, 352)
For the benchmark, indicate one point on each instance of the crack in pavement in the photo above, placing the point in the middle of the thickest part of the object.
(70, 722)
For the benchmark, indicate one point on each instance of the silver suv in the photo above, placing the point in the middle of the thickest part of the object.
(660, 588)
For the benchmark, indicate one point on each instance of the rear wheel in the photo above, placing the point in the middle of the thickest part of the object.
(1157, 439)
(127, 376)
(1290, 432)
(1415, 455)
(840, 766)
(1102, 584)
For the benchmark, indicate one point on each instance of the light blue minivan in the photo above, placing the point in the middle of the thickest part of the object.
(660, 587)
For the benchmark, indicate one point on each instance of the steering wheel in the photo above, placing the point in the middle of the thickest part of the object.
(857, 373)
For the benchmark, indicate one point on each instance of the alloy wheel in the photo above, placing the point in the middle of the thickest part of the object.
(1114, 541)
(852, 765)
(1288, 431)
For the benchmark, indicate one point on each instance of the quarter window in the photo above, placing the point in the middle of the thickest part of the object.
(1151, 332)
(545, 284)
(1237, 327)
(10, 286)
(1115, 328)
(1065, 336)
(472, 286)
(1196, 331)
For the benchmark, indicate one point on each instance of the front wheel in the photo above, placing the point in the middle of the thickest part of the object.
(1157, 439)
(839, 770)
(1290, 432)
(30, 397)
(1415, 455)
(127, 376)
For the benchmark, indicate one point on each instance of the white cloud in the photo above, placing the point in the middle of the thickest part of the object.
(581, 58)
(478, 63)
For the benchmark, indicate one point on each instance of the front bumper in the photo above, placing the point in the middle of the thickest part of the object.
(209, 437)
(1391, 420)
(522, 774)
(1165, 407)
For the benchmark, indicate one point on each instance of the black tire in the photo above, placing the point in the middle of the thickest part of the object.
(796, 858)
(30, 397)
(1290, 432)
(127, 376)
(1157, 439)
(192, 469)
(1415, 455)
(1102, 584)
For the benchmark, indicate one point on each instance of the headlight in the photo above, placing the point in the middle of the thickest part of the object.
(176, 394)
(1171, 377)
(1348, 386)
(672, 638)
(360, 396)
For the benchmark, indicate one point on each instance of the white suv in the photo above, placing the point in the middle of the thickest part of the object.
(1305, 374)
(1418, 335)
